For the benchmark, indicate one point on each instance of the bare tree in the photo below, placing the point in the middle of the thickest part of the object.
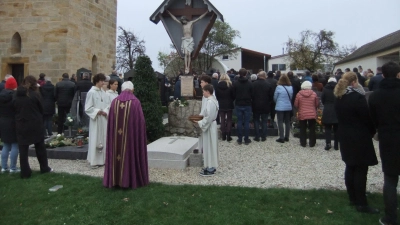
(128, 49)
(314, 49)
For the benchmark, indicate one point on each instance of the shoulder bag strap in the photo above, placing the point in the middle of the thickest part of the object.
(287, 94)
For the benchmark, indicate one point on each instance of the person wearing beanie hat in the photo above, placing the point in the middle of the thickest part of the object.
(307, 103)
(11, 84)
(329, 118)
(306, 85)
(8, 134)
(332, 79)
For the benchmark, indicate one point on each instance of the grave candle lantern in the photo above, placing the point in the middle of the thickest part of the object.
(79, 141)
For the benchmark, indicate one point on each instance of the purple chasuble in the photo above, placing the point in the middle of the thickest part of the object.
(126, 151)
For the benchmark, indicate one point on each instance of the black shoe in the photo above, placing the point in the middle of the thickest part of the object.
(367, 209)
(239, 142)
(311, 146)
(263, 139)
(228, 137)
(256, 139)
(280, 140)
(303, 145)
(214, 170)
(223, 136)
(247, 142)
(286, 139)
(206, 173)
(336, 148)
(328, 146)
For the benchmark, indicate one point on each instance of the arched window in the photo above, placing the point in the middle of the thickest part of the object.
(94, 65)
(16, 43)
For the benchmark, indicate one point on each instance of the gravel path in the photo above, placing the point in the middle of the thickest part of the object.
(260, 164)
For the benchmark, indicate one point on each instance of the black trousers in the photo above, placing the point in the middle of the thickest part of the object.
(272, 113)
(328, 133)
(355, 178)
(62, 115)
(41, 155)
(226, 120)
(310, 124)
(390, 197)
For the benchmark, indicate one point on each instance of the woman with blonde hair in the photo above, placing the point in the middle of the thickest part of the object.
(225, 99)
(283, 106)
(355, 131)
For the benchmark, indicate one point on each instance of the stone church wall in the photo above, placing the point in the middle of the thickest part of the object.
(58, 36)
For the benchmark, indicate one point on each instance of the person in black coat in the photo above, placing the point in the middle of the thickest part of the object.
(273, 83)
(49, 105)
(224, 95)
(214, 82)
(262, 96)
(177, 88)
(329, 118)
(296, 88)
(373, 84)
(242, 92)
(384, 105)
(29, 125)
(355, 136)
(85, 84)
(64, 94)
(8, 134)
(361, 78)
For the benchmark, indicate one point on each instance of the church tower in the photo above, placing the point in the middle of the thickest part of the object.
(56, 37)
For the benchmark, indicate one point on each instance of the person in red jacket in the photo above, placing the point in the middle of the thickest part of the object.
(307, 103)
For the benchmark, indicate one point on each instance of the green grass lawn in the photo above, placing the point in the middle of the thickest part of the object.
(83, 200)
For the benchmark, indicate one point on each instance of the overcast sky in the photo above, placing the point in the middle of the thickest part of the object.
(265, 25)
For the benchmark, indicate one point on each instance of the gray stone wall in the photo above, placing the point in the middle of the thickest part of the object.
(58, 36)
(178, 122)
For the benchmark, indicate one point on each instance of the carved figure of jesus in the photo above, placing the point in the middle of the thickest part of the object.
(187, 46)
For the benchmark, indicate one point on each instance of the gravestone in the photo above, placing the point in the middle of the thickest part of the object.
(171, 152)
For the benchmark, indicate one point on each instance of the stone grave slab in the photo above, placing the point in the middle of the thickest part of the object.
(171, 152)
(67, 152)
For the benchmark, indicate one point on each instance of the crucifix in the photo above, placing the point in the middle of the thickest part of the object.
(188, 23)
(187, 14)
(175, 139)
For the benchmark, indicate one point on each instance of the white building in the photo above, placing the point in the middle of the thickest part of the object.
(282, 63)
(374, 54)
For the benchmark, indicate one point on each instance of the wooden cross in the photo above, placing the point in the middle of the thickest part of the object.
(175, 139)
(189, 12)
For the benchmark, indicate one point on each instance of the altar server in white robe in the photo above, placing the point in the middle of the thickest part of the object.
(112, 89)
(96, 107)
(204, 80)
(209, 137)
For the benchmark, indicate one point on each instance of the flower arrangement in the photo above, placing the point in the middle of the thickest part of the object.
(69, 121)
(180, 103)
(61, 141)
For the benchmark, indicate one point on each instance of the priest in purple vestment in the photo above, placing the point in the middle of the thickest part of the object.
(126, 150)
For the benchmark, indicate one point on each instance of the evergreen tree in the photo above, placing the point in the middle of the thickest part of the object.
(146, 90)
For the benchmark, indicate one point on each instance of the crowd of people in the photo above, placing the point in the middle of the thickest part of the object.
(118, 132)
(348, 116)
(26, 114)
